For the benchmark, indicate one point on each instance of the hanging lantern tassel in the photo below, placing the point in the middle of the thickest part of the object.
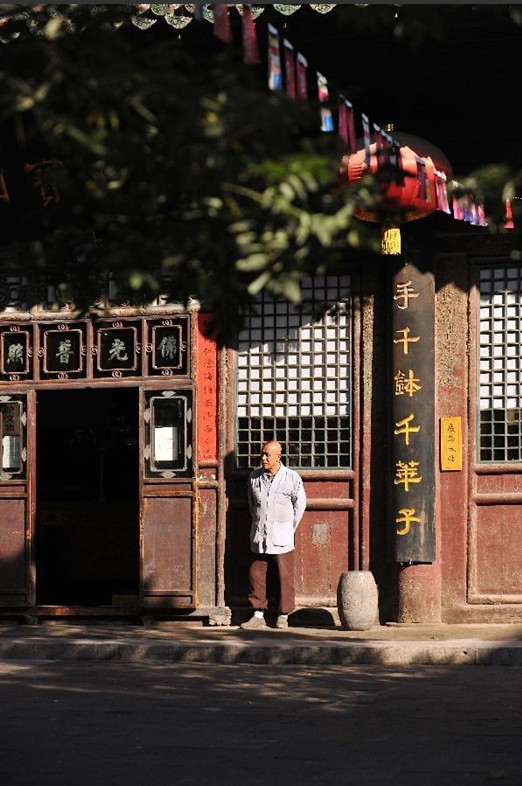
(390, 240)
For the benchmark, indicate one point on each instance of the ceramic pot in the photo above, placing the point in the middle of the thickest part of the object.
(357, 600)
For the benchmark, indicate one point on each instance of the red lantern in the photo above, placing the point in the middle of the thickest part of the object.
(415, 196)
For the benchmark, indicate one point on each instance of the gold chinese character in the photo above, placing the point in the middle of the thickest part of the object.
(406, 384)
(404, 292)
(406, 517)
(405, 341)
(403, 427)
(406, 474)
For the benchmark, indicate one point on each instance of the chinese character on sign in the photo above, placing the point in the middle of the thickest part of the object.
(406, 340)
(404, 427)
(406, 384)
(406, 517)
(407, 473)
(168, 347)
(65, 351)
(118, 350)
(15, 354)
(403, 293)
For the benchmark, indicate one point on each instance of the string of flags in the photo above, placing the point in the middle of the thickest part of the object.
(387, 148)
(288, 70)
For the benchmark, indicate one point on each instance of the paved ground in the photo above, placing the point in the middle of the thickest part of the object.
(137, 724)
(393, 645)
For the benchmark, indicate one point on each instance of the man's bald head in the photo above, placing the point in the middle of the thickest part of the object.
(271, 456)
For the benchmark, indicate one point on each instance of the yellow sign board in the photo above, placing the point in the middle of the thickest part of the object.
(450, 444)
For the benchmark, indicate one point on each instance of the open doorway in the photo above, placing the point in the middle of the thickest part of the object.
(87, 495)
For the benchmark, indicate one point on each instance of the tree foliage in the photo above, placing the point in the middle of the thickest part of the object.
(188, 174)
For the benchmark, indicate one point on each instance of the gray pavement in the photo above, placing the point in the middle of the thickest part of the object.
(135, 724)
(182, 642)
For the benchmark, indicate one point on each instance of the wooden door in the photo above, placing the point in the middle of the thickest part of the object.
(480, 505)
(168, 500)
(16, 436)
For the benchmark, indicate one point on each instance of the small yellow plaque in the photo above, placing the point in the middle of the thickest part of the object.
(450, 444)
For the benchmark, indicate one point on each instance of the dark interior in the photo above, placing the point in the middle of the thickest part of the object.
(87, 497)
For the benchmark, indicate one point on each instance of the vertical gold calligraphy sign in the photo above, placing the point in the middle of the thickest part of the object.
(412, 386)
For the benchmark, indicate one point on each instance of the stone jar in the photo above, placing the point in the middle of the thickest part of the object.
(357, 600)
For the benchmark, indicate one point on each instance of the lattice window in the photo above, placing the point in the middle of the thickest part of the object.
(500, 364)
(294, 378)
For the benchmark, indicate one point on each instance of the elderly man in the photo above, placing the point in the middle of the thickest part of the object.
(277, 501)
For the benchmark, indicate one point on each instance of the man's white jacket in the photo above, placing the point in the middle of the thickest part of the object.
(276, 506)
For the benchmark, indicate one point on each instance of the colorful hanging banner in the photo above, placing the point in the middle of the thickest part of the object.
(275, 77)
(366, 137)
(441, 192)
(250, 46)
(302, 84)
(326, 114)
(222, 29)
(422, 180)
(381, 145)
(289, 68)
(347, 123)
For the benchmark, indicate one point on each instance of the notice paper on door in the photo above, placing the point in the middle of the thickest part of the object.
(165, 444)
(11, 453)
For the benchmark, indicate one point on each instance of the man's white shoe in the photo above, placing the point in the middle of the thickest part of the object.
(282, 621)
(254, 623)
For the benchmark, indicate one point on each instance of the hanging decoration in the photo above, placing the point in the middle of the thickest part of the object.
(441, 192)
(422, 180)
(289, 68)
(255, 10)
(222, 28)
(178, 21)
(366, 137)
(275, 77)
(250, 46)
(347, 123)
(209, 11)
(286, 10)
(324, 97)
(381, 144)
(323, 8)
(302, 82)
